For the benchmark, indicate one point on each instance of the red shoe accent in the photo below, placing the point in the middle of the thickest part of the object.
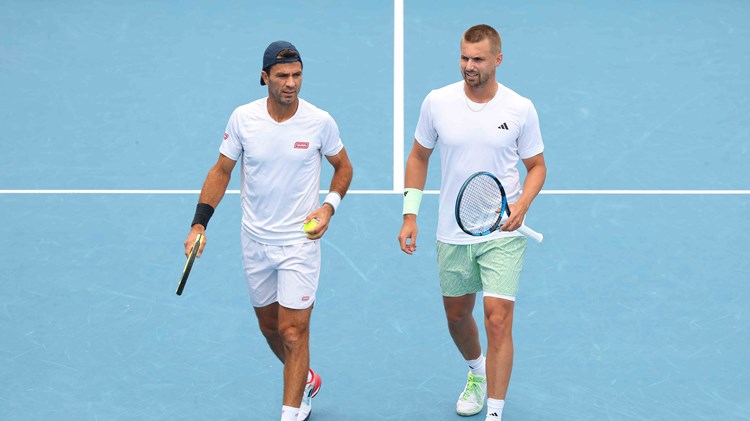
(316, 383)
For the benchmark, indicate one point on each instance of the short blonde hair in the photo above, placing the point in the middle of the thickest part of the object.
(478, 33)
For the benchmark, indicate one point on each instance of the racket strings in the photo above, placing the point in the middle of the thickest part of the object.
(480, 201)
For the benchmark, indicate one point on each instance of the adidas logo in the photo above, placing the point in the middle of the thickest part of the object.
(503, 126)
(494, 414)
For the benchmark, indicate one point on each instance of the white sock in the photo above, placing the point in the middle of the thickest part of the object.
(495, 409)
(288, 413)
(477, 366)
(309, 376)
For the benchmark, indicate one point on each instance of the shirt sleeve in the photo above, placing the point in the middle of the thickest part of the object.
(330, 142)
(530, 141)
(231, 147)
(425, 133)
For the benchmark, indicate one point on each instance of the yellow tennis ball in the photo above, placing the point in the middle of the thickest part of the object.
(310, 225)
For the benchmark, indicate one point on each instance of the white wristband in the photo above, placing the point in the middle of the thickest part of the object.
(412, 200)
(333, 198)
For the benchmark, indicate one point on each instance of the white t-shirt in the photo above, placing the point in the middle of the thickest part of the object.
(281, 164)
(493, 140)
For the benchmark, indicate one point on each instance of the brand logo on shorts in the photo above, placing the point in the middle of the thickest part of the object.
(301, 145)
(305, 298)
(226, 136)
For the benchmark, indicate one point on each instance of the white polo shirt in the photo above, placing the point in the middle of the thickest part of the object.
(281, 163)
(477, 137)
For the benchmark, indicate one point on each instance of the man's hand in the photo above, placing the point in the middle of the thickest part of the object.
(192, 235)
(517, 215)
(323, 215)
(407, 238)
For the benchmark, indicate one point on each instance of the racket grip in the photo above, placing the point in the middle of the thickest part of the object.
(530, 233)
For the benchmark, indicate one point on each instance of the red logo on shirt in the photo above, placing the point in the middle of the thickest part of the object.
(301, 145)
(226, 136)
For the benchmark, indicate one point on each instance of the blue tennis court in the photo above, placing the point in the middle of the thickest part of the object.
(635, 307)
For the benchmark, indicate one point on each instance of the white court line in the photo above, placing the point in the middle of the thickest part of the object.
(646, 192)
(398, 95)
(375, 192)
(166, 192)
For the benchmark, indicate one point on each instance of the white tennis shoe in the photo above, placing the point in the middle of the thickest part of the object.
(471, 400)
(311, 389)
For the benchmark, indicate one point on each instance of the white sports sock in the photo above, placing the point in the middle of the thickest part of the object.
(495, 409)
(477, 366)
(289, 413)
(309, 375)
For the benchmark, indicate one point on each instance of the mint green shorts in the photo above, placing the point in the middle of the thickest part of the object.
(493, 267)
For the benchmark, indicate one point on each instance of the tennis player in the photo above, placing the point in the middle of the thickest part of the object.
(281, 140)
(480, 125)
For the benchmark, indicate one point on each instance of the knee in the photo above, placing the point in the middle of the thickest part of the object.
(293, 334)
(499, 324)
(457, 317)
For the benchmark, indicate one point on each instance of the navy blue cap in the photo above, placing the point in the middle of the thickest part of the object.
(273, 50)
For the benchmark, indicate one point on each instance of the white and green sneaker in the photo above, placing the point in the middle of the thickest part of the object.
(471, 400)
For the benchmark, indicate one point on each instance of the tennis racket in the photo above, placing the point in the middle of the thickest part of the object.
(482, 208)
(189, 264)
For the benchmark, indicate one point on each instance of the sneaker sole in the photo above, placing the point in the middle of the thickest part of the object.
(469, 414)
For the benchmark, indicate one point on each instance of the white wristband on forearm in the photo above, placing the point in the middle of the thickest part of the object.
(333, 198)
(412, 199)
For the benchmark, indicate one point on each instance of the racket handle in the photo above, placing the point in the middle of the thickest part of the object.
(530, 233)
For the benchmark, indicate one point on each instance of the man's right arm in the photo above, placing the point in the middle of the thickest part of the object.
(212, 192)
(217, 181)
(415, 178)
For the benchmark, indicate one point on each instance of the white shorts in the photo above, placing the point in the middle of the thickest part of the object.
(287, 274)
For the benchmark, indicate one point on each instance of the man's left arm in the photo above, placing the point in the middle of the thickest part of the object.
(342, 178)
(532, 185)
